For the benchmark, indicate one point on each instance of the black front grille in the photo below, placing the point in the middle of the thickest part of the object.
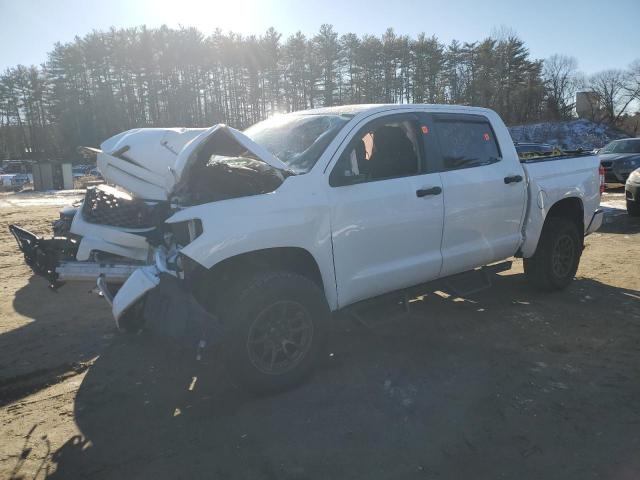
(606, 164)
(107, 208)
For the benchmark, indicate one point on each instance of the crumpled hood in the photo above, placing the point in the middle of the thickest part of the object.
(150, 162)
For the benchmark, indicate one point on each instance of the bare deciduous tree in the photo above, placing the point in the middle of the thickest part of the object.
(633, 81)
(613, 89)
(562, 80)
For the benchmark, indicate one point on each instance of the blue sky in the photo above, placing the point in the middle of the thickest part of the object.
(600, 34)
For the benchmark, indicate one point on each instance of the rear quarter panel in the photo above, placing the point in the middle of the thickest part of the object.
(553, 180)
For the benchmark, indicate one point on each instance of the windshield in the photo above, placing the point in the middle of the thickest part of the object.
(297, 140)
(622, 146)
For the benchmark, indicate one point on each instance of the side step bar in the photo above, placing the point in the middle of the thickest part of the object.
(474, 281)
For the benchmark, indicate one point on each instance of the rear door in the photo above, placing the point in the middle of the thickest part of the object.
(484, 194)
(386, 217)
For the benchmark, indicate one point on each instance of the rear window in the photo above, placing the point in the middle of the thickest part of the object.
(466, 143)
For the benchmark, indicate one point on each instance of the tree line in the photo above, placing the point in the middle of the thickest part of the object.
(110, 81)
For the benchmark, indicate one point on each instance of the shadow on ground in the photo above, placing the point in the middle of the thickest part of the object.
(511, 384)
(619, 221)
(57, 341)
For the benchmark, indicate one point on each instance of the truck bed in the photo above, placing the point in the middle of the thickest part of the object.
(551, 179)
(549, 158)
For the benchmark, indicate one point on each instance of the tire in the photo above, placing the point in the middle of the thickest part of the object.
(557, 256)
(132, 321)
(633, 208)
(276, 329)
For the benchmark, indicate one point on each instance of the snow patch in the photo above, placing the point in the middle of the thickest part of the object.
(570, 135)
(36, 199)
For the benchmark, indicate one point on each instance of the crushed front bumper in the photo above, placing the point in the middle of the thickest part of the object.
(43, 255)
(55, 259)
(169, 308)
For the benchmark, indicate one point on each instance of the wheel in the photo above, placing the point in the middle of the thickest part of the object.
(633, 208)
(557, 256)
(276, 323)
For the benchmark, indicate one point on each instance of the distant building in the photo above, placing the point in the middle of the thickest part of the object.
(588, 105)
(52, 175)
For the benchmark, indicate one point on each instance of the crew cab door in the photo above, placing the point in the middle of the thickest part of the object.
(483, 192)
(386, 210)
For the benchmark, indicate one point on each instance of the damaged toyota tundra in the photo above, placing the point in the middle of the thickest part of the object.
(250, 240)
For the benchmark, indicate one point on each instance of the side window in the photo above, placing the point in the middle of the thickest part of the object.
(466, 143)
(385, 148)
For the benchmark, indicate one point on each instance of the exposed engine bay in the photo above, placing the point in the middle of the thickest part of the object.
(224, 178)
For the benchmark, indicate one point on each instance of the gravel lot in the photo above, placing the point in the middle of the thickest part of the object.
(508, 383)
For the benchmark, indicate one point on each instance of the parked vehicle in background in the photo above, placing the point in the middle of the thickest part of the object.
(17, 166)
(14, 181)
(94, 172)
(81, 170)
(632, 193)
(253, 238)
(619, 158)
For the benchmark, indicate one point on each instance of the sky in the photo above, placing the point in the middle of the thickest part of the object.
(599, 34)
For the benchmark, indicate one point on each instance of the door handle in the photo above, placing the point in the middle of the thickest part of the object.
(423, 192)
(513, 179)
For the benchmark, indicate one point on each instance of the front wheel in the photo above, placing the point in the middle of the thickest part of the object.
(277, 326)
(557, 256)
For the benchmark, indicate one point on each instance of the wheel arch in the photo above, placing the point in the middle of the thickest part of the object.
(229, 271)
(569, 207)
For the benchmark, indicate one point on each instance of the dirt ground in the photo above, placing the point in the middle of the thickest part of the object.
(508, 383)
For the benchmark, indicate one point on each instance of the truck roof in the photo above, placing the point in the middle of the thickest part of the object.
(382, 107)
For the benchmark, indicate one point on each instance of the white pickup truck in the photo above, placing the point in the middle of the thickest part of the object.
(252, 239)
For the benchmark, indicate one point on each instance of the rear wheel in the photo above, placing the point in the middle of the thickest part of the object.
(557, 256)
(633, 208)
(277, 327)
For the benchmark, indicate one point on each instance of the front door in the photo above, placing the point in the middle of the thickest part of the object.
(387, 213)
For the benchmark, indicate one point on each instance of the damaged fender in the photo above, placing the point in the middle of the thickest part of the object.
(136, 286)
(169, 308)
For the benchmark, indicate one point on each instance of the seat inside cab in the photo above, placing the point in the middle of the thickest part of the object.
(385, 150)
